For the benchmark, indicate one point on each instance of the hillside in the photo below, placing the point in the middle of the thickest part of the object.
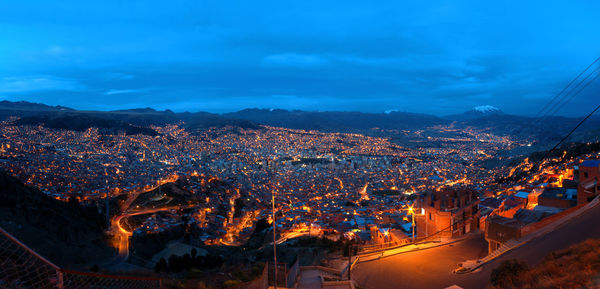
(81, 122)
(130, 121)
(337, 121)
(575, 267)
(68, 234)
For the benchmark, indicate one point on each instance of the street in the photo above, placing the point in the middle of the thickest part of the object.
(432, 268)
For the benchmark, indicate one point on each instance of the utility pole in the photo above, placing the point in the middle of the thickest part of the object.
(413, 226)
(349, 260)
(274, 238)
(107, 199)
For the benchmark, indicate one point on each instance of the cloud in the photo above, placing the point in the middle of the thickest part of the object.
(55, 50)
(397, 55)
(119, 76)
(38, 83)
(295, 60)
(123, 91)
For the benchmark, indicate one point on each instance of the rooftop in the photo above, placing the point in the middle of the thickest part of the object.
(590, 163)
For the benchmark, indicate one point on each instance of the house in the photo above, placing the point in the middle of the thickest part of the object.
(558, 198)
(488, 206)
(499, 229)
(450, 212)
(388, 236)
(533, 197)
(589, 174)
(510, 206)
(522, 197)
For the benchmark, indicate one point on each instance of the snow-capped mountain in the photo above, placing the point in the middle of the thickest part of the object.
(486, 109)
(477, 112)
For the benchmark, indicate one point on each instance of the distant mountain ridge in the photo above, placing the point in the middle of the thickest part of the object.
(25, 105)
(129, 121)
(336, 121)
(138, 121)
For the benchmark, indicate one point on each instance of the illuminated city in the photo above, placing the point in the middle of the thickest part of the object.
(299, 144)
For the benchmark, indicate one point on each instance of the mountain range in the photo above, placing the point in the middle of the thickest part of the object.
(138, 121)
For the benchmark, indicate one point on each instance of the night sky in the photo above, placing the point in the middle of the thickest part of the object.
(439, 57)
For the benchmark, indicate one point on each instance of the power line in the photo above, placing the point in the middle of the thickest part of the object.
(571, 132)
(561, 105)
(570, 95)
(565, 88)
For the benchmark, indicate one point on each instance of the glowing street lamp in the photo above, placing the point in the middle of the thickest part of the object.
(412, 213)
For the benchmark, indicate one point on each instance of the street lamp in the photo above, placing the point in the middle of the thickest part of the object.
(412, 213)
(411, 210)
(350, 238)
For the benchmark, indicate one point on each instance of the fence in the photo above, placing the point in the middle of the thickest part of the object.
(23, 268)
(74, 279)
(435, 237)
(292, 276)
(281, 274)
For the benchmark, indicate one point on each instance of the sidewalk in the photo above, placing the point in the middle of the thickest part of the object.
(411, 248)
(472, 265)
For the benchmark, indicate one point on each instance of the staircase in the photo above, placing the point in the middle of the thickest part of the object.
(508, 245)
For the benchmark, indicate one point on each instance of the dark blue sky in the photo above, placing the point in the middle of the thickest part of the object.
(435, 57)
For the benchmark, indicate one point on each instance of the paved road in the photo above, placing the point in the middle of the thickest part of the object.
(432, 268)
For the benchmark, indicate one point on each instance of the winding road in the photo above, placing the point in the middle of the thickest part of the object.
(432, 268)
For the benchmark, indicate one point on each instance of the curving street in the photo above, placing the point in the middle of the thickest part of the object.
(432, 268)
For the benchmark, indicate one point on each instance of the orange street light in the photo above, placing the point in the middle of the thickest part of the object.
(412, 213)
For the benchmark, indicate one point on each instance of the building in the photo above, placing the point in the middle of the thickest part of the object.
(589, 174)
(450, 213)
(558, 198)
(499, 229)
(387, 236)
(522, 197)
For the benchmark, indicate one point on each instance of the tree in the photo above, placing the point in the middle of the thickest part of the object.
(73, 201)
(161, 266)
(261, 225)
(174, 263)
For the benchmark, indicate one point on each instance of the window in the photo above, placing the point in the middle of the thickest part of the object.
(430, 217)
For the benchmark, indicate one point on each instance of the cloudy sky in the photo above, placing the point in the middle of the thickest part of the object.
(435, 57)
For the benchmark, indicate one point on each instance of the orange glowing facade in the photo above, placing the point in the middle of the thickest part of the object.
(589, 174)
(451, 213)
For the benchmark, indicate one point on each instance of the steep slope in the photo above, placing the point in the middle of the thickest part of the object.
(66, 233)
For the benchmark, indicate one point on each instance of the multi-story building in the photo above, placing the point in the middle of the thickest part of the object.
(589, 175)
(449, 212)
